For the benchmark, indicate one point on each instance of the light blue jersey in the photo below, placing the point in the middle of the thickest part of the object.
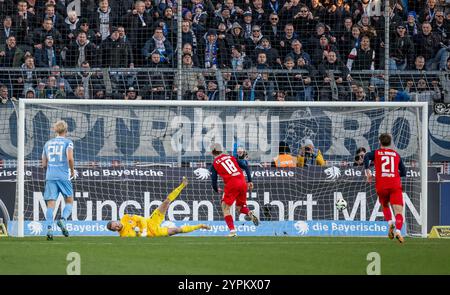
(58, 170)
(55, 150)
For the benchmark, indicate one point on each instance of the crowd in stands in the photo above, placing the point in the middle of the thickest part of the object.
(231, 49)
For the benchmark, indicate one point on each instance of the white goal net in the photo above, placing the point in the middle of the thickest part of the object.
(130, 155)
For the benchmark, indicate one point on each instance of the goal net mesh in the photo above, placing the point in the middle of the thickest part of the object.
(129, 157)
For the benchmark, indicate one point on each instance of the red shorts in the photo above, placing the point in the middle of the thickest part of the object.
(391, 195)
(237, 192)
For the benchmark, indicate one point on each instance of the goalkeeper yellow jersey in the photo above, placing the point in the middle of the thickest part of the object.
(133, 225)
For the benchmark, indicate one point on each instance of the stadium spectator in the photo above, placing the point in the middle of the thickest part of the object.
(289, 10)
(412, 26)
(79, 92)
(237, 35)
(82, 50)
(10, 54)
(273, 58)
(158, 82)
(401, 50)
(429, 12)
(247, 24)
(200, 94)
(28, 78)
(263, 86)
(70, 27)
(280, 95)
(419, 64)
(440, 25)
(359, 156)
(6, 8)
(285, 43)
(362, 58)
(310, 155)
(91, 81)
(334, 75)
(261, 61)
(359, 94)
(284, 158)
(239, 60)
(60, 79)
(188, 35)
(49, 55)
(306, 91)
(190, 80)
(50, 12)
(159, 43)
(422, 92)
(298, 52)
(138, 23)
(4, 95)
(430, 46)
(213, 52)
(7, 30)
(254, 39)
(288, 80)
(103, 19)
(228, 85)
(132, 94)
(168, 25)
(93, 36)
(23, 21)
(115, 52)
(304, 22)
(321, 52)
(47, 29)
(397, 95)
(272, 29)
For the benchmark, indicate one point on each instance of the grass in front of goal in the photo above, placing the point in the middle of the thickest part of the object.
(221, 255)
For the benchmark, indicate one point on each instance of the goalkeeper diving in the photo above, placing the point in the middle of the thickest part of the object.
(138, 226)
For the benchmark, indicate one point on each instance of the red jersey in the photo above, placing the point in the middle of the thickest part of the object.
(388, 165)
(228, 168)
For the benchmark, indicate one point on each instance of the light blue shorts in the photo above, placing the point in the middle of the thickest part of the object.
(54, 187)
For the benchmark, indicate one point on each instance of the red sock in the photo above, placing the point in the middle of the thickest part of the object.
(398, 221)
(387, 213)
(245, 210)
(229, 221)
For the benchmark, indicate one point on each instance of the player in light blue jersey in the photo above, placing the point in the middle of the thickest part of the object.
(57, 157)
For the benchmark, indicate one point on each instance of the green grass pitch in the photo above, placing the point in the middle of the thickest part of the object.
(222, 255)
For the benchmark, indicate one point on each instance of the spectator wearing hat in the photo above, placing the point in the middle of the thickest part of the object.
(70, 27)
(132, 94)
(213, 53)
(253, 41)
(273, 29)
(428, 44)
(237, 35)
(284, 159)
(321, 52)
(412, 26)
(93, 36)
(49, 55)
(115, 52)
(199, 19)
(402, 50)
(247, 24)
(310, 155)
(239, 60)
(160, 43)
(273, 58)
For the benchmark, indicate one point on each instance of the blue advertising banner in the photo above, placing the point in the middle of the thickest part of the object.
(161, 134)
(219, 228)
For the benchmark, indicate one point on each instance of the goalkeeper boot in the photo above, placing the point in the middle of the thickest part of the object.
(232, 233)
(399, 238)
(49, 235)
(253, 218)
(63, 228)
(391, 233)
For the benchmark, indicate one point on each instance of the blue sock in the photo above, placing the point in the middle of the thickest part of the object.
(67, 211)
(49, 217)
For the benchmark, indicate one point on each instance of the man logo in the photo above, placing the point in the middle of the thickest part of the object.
(333, 172)
(302, 227)
(35, 228)
(202, 173)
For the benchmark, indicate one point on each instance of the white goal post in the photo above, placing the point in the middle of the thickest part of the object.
(324, 136)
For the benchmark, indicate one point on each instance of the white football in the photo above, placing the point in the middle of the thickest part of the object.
(341, 204)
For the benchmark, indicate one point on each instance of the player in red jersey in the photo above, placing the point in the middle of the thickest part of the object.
(235, 187)
(388, 170)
